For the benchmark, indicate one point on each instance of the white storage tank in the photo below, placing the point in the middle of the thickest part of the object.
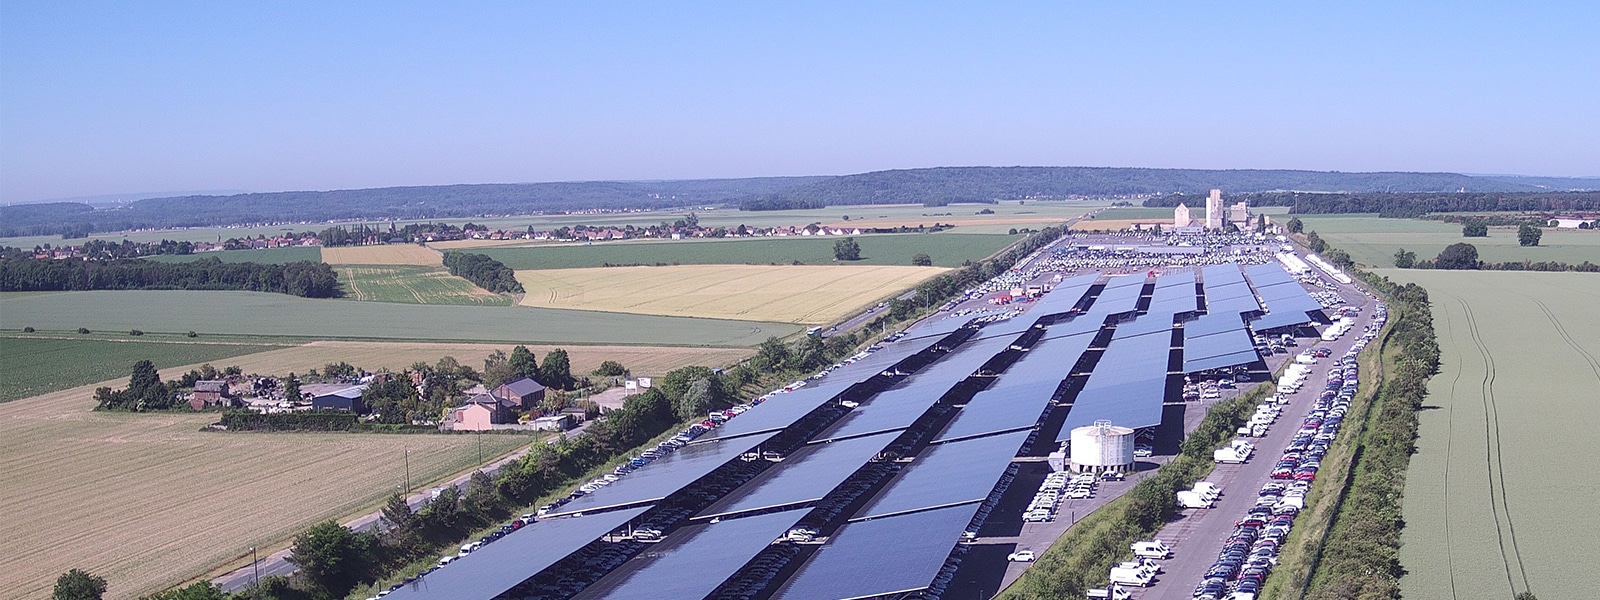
(1102, 447)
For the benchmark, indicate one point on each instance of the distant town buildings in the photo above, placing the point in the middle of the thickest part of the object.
(1214, 210)
(1180, 216)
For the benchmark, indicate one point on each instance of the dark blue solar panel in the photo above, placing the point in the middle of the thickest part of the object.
(1217, 362)
(1012, 327)
(692, 561)
(1001, 408)
(1176, 279)
(902, 405)
(779, 410)
(1212, 323)
(807, 475)
(1131, 403)
(1152, 322)
(937, 327)
(500, 566)
(1063, 297)
(1230, 342)
(963, 471)
(667, 474)
(1219, 275)
(882, 556)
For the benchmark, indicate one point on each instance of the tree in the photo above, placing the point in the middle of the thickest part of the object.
(1315, 242)
(1404, 259)
(1294, 225)
(199, 590)
(331, 557)
(921, 259)
(524, 364)
(1339, 257)
(1528, 235)
(291, 388)
(556, 370)
(78, 585)
(1475, 229)
(695, 401)
(847, 249)
(1457, 256)
(397, 512)
(1261, 222)
(610, 368)
(497, 369)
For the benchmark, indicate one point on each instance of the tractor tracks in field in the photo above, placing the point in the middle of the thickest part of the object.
(1449, 439)
(1498, 504)
(1594, 365)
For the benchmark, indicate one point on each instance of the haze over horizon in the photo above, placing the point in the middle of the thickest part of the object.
(102, 98)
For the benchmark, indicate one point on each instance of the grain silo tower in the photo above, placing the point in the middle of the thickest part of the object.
(1102, 447)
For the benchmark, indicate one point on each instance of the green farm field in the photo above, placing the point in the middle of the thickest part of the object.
(946, 250)
(272, 256)
(281, 315)
(412, 285)
(1373, 241)
(1504, 461)
(31, 364)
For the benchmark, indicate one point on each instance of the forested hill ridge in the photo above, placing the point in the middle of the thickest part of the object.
(946, 185)
(422, 202)
(932, 187)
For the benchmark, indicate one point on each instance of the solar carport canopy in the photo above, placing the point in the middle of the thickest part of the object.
(1127, 385)
(496, 568)
(667, 474)
(891, 555)
(692, 561)
(949, 473)
(804, 476)
(901, 406)
(1064, 296)
(1287, 301)
(1002, 408)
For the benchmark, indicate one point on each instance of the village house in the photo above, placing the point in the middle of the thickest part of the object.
(524, 393)
(208, 393)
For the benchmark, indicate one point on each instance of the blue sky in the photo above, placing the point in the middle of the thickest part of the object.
(118, 97)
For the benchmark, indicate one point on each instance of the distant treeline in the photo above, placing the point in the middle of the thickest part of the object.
(1403, 204)
(485, 272)
(932, 187)
(71, 219)
(304, 278)
(946, 185)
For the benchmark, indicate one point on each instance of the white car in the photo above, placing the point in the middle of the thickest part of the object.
(1143, 451)
(1021, 556)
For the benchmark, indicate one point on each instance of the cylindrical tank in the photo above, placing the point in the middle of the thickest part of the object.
(1102, 447)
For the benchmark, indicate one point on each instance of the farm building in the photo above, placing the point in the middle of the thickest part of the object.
(523, 393)
(208, 393)
(481, 413)
(335, 396)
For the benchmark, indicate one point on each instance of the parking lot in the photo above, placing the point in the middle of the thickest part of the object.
(1197, 534)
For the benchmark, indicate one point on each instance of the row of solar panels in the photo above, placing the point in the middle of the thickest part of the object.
(1130, 380)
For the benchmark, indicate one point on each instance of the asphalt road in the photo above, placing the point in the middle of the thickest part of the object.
(1198, 534)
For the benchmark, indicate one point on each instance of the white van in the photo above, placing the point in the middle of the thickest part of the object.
(1151, 549)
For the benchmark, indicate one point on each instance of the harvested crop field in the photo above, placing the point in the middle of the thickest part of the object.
(264, 314)
(1373, 241)
(412, 285)
(800, 294)
(396, 356)
(390, 254)
(470, 244)
(945, 249)
(33, 364)
(1504, 461)
(148, 500)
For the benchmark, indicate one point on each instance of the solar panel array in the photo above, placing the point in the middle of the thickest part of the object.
(949, 473)
(667, 474)
(899, 407)
(496, 568)
(1287, 301)
(1065, 295)
(1219, 338)
(884, 556)
(1130, 381)
(692, 561)
(805, 476)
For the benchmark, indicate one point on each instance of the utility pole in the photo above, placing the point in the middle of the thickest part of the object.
(408, 470)
(255, 563)
(480, 447)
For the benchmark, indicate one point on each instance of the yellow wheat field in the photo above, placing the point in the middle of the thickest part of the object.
(396, 356)
(794, 294)
(392, 254)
